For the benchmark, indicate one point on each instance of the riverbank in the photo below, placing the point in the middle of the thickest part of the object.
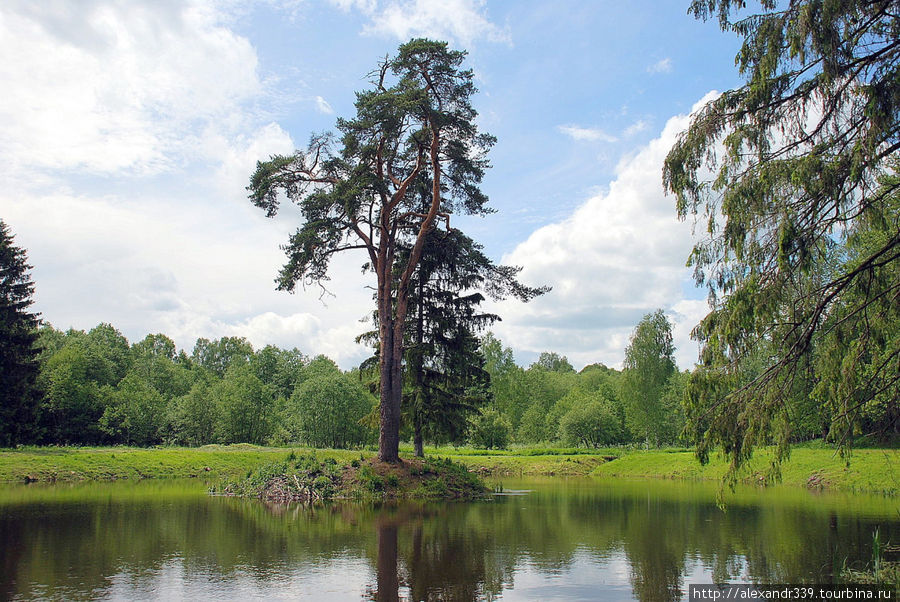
(213, 462)
(872, 470)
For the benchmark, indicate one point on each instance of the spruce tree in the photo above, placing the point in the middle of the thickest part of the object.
(19, 397)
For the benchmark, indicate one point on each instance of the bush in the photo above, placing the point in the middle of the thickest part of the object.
(490, 431)
(592, 425)
(325, 411)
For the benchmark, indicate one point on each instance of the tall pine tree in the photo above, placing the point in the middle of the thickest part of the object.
(19, 397)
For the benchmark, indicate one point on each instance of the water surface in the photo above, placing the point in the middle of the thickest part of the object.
(542, 540)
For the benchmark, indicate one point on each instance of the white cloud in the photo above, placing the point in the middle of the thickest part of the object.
(129, 134)
(235, 156)
(464, 21)
(662, 66)
(635, 128)
(126, 82)
(617, 257)
(586, 134)
(685, 315)
(366, 6)
(185, 269)
(323, 107)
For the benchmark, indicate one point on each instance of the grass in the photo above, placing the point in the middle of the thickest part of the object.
(49, 464)
(872, 470)
(54, 464)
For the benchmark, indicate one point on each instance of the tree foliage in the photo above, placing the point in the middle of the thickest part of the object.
(18, 352)
(649, 364)
(782, 172)
(445, 378)
(134, 413)
(246, 406)
(414, 128)
(326, 411)
(553, 362)
(591, 424)
(490, 430)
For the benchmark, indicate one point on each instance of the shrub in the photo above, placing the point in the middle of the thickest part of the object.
(325, 411)
(592, 425)
(490, 431)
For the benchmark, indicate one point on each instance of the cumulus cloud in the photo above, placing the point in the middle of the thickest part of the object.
(464, 21)
(126, 156)
(662, 66)
(150, 265)
(366, 6)
(586, 134)
(619, 256)
(125, 83)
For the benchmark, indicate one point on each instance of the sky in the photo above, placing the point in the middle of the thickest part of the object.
(129, 130)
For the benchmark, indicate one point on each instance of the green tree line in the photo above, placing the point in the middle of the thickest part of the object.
(97, 388)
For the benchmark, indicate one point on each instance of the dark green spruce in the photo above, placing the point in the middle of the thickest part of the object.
(19, 397)
(445, 381)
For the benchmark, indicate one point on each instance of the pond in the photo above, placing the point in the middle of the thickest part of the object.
(540, 540)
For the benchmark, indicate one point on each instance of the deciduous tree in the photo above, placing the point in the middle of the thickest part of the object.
(649, 364)
(326, 410)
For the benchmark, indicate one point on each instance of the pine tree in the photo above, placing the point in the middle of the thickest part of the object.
(19, 397)
(415, 122)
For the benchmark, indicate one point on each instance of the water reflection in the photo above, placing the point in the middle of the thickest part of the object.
(564, 540)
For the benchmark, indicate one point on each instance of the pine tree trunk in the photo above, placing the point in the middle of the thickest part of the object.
(391, 392)
(391, 388)
(391, 378)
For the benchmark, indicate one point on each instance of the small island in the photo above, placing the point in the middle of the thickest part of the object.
(304, 478)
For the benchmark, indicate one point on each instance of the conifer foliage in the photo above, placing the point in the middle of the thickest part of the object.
(18, 355)
(793, 175)
(415, 124)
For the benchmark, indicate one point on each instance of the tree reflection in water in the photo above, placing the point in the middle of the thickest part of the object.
(566, 539)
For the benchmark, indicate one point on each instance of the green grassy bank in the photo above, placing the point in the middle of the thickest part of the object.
(111, 463)
(48, 464)
(871, 470)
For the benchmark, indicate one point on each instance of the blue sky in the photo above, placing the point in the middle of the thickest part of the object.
(128, 131)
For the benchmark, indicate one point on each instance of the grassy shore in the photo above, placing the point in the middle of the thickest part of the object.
(870, 470)
(48, 464)
(111, 463)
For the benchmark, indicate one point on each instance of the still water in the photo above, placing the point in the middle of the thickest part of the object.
(541, 540)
